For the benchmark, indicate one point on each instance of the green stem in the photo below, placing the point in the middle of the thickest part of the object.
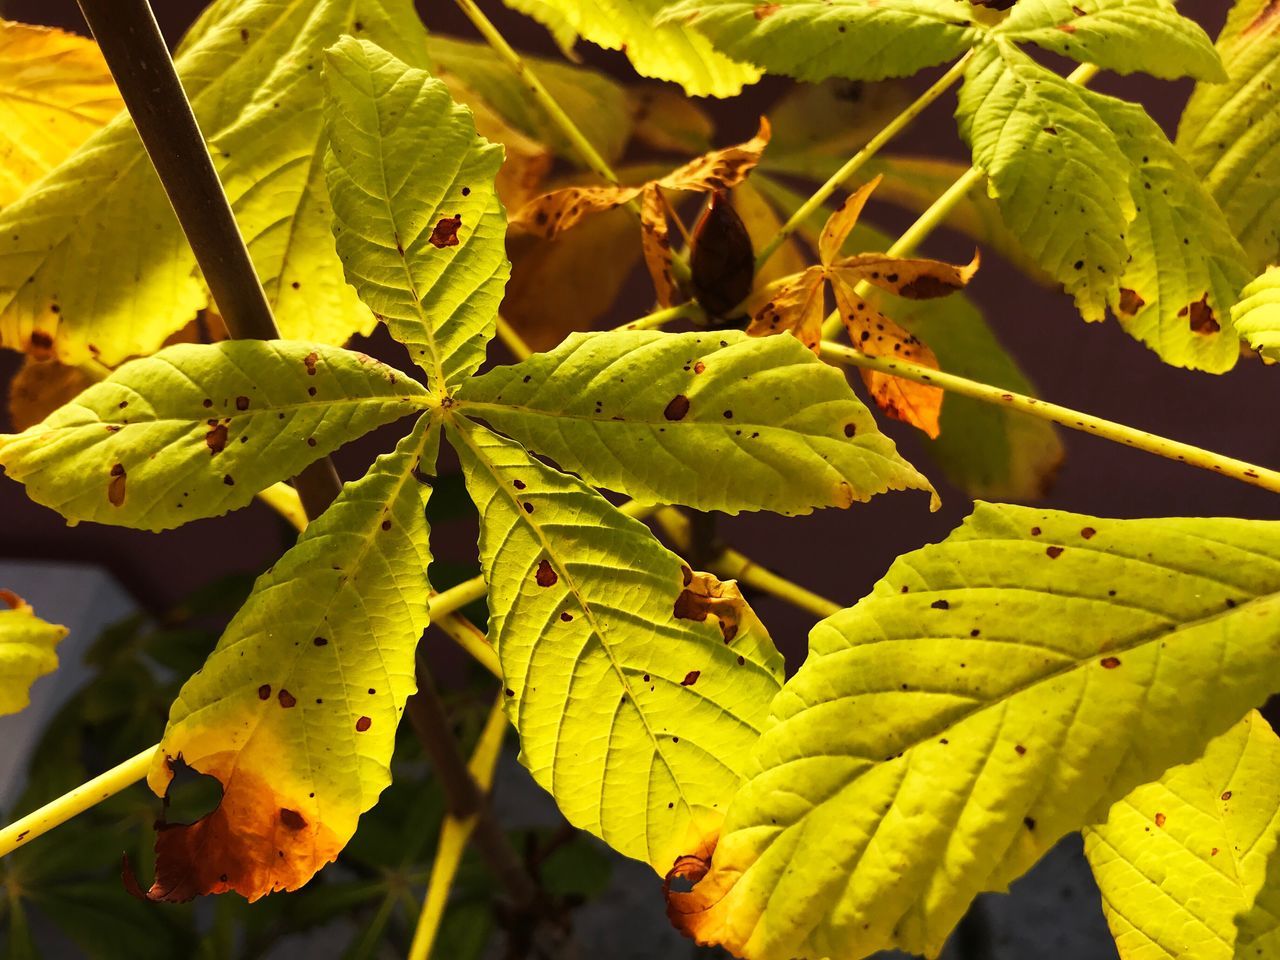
(76, 801)
(1063, 416)
(660, 318)
(856, 162)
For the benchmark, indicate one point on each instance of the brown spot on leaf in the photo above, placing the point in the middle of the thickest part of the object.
(445, 232)
(850, 429)
(677, 408)
(292, 819)
(1088, 533)
(1020, 750)
(690, 678)
(699, 367)
(1160, 818)
(242, 403)
(1067, 27)
(1130, 301)
(363, 724)
(264, 692)
(927, 287)
(765, 10)
(1109, 663)
(286, 699)
(1200, 317)
(320, 641)
(704, 595)
(216, 438)
(546, 575)
(310, 361)
(1053, 552)
(1226, 795)
(940, 605)
(115, 487)
(40, 345)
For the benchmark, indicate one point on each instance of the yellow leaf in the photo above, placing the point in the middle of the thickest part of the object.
(55, 90)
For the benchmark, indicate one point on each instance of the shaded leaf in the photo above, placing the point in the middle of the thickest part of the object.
(186, 434)
(74, 284)
(1180, 860)
(637, 686)
(664, 52)
(55, 90)
(1257, 315)
(818, 126)
(717, 421)
(946, 730)
(595, 103)
(418, 226)
(296, 709)
(1126, 36)
(664, 119)
(1230, 132)
(41, 387)
(27, 646)
(817, 39)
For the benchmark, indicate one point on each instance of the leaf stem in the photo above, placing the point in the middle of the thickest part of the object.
(135, 52)
(660, 318)
(869, 150)
(454, 834)
(1063, 416)
(76, 801)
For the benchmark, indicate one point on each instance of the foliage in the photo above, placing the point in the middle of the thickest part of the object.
(1036, 673)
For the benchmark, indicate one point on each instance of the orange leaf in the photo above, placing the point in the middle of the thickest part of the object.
(655, 242)
(553, 213)
(836, 230)
(793, 304)
(876, 335)
(720, 169)
(915, 279)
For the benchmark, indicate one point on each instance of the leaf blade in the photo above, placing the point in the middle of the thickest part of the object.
(27, 651)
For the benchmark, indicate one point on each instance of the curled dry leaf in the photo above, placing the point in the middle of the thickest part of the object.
(553, 213)
(796, 305)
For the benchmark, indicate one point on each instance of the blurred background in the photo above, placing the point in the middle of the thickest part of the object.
(166, 597)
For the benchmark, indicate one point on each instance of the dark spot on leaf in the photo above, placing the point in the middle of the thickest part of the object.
(546, 576)
(1226, 795)
(528, 507)
(690, 678)
(264, 692)
(229, 480)
(386, 524)
(292, 819)
(216, 438)
(363, 724)
(310, 361)
(1200, 317)
(699, 367)
(1109, 663)
(115, 488)
(566, 616)
(850, 429)
(286, 698)
(518, 484)
(242, 403)
(1029, 823)
(1160, 818)
(445, 233)
(320, 641)
(940, 605)
(764, 10)
(1130, 301)
(1035, 531)
(926, 287)
(1019, 749)
(677, 408)
(1053, 552)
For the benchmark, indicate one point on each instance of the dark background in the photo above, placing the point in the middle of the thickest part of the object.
(1094, 367)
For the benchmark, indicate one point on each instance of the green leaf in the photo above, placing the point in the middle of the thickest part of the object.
(74, 283)
(1100, 198)
(1181, 860)
(1230, 132)
(817, 39)
(1257, 315)
(664, 52)
(636, 695)
(295, 711)
(992, 693)
(27, 646)
(418, 225)
(715, 420)
(595, 103)
(198, 429)
(1127, 36)
(1051, 164)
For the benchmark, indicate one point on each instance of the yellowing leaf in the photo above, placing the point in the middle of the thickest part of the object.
(992, 693)
(27, 647)
(1181, 861)
(637, 687)
(665, 52)
(42, 386)
(1257, 315)
(74, 283)
(417, 223)
(197, 430)
(795, 304)
(55, 90)
(713, 420)
(295, 711)
(655, 244)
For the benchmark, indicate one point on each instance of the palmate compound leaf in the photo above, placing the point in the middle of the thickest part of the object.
(418, 225)
(295, 711)
(1230, 132)
(74, 284)
(55, 90)
(992, 693)
(1257, 315)
(198, 429)
(713, 420)
(817, 39)
(1149, 241)
(1181, 861)
(1127, 36)
(637, 687)
(662, 51)
(27, 646)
